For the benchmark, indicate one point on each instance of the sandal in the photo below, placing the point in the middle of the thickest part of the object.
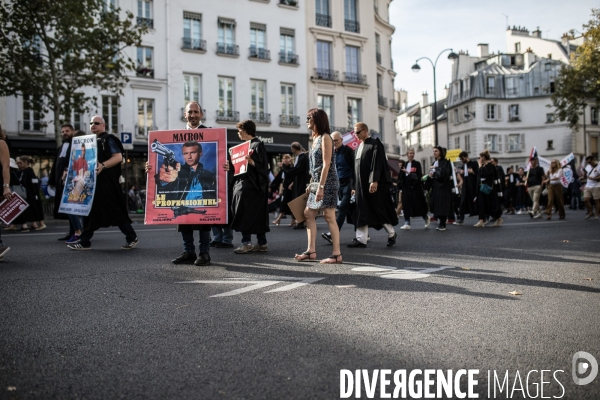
(276, 222)
(306, 256)
(332, 259)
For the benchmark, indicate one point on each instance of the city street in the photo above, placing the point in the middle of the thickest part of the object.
(114, 324)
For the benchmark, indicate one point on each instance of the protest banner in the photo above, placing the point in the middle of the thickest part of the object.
(238, 158)
(350, 139)
(186, 180)
(11, 209)
(80, 183)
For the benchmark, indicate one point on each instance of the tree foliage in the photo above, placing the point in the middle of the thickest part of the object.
(51, 50)
(578, 84)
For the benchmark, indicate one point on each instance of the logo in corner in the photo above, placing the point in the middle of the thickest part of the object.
(582, 367)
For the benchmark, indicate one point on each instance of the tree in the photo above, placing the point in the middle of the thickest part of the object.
(579, 83)
(51, 50)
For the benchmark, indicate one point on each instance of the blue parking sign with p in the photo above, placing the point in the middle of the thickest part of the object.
(127, 140)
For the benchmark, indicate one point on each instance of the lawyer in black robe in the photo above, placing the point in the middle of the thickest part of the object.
(440, 199)
(469, 186)
(413, 199)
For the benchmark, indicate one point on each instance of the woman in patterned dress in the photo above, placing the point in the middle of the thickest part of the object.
(325, 180)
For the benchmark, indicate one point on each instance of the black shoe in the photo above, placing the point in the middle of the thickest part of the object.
(392, 240)
(203, 259)
(356, 243)
(224, 245)
(214, 244)
(185, 258)
(300, 226)
(327, 236)
(64, 238)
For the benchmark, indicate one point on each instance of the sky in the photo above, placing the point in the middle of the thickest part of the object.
(426, 27)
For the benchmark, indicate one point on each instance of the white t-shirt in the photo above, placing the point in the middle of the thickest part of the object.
(594, 174)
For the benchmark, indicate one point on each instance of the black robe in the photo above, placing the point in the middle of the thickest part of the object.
(370, 165)
(286, 194)
(55, 179)
(31, 183)
(488, 205)
(440, 199)
(249, 205)
(469, 188)
(413, 198)
(109, 207)
(299, 174)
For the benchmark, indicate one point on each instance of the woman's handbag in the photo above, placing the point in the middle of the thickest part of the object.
(20, 190)
(486, 189)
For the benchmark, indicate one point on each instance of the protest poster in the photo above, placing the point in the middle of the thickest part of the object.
(350, 139)
(80, 183)
(186, 180)
(11, 209)
(238, 158)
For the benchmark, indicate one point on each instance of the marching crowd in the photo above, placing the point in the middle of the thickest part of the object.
(342, 184)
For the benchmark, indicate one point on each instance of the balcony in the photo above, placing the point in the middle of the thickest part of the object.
(148, 22)
(382, 101)
(325, 74)
(228, 116)
(260, 118)
(32, 126)
(394, 105)
(323, 20)
(260, 53)
(194, 44)
(228, 49)
(289, 120)
(351, 26)
(293, 3)
(378, 57)
(351, 77)
(512, 91)
(144, 72)
(288, 58)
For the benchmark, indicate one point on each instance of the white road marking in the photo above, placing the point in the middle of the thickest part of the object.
(373, 269)
(407, 273)
(261, 283)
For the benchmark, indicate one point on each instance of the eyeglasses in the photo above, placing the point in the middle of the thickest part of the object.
(336, 140)
(308, 119)
(96, 123)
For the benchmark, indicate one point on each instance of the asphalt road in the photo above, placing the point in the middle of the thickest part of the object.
(113, 324)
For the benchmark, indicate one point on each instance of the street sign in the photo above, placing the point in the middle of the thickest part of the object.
(452, 155)
(127, 140)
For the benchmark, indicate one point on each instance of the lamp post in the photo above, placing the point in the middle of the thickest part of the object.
(417, 68)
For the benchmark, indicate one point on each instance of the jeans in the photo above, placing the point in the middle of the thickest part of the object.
(247, 238)
(188, 241)
(126, 228)
(222, 234)
(344, 194)
(575, 201)
(74, 223)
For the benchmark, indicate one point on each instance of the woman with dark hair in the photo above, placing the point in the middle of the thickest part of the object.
(413, 199)
(440, 199)
(323, 190)
(487, 191)
(31, 183)
(249, 204)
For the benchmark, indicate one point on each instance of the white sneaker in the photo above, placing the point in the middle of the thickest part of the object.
(405, 226)
(498, 222)
(538, 215)
(427, 222)
(520, 212)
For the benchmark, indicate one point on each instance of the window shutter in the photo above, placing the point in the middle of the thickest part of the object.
(522, 141)
(499, 110)
(485, 142)
(499, 143)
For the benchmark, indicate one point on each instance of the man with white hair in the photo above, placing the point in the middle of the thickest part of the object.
(108, 206)
(344, 164)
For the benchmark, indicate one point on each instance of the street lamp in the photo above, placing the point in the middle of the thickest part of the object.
(417, 68)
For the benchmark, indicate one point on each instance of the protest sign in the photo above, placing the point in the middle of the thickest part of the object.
(238, 158)
(11, 209)
(80, 183)
(186, 180)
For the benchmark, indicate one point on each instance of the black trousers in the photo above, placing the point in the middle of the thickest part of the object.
(126, 228)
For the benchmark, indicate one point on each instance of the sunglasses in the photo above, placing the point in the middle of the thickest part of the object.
(308, 119)
(96, 123)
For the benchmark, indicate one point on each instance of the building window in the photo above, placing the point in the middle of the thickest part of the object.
(191, 89)
(547, 66)
(192, 31)
(323, 57)
(465, 88)
(514, 142)
(381, 129)
(350, 16)
(257, 41)
(325, 103)
(257, 99)
(287, 106)
(110, 113)
(323, 18)
(225, 97)
(492, 143)
(491, 85)
(492, 113)
(378, 48)
(145, 116)
(419, 141)
(31, 114)
(75, 115)
(353, 65)
(594, 115)
(286, 46)
(226, 37)
(518, 47)
(512, 86)
(513, 112)
(145, 62)
(549, 118)
(552, 87)
(354, 112)
(144, 15)
(550, 145)
(456, 116)
(467, 143)
(457, 142)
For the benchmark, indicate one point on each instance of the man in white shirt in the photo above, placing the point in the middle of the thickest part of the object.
(592, 187)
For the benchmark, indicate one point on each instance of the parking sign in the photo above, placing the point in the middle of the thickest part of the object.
(127, 140)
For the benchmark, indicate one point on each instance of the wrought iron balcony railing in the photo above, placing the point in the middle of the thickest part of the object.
(382, 101)
(149, 22)
(323, 20)
(260, 118)
(351, 26)
(228, 115)
(352, 77)
(194, 44)
(325, 74)
(288, 58)
(260, 53)
(231, 49)
(378, 57)
(145, 72)
(291, 120)
(293, 3)
(394, 105)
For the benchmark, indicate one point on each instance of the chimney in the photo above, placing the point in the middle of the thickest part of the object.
(528, 58)
(483, 50)
(424, 100)
(446, 90)
(537, 33)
